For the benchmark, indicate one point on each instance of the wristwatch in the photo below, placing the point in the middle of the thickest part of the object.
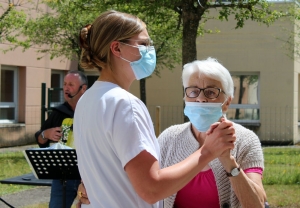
(43, 136)
(234, 172)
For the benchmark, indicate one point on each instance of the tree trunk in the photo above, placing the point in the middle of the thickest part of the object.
(143, 90)
(191, 17)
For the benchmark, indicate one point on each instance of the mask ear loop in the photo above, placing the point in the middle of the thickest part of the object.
(224, 101)
(224, 113)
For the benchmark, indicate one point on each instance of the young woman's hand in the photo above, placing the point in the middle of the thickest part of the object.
(82, 196)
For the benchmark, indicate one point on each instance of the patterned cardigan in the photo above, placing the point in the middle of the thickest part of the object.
(178, 142)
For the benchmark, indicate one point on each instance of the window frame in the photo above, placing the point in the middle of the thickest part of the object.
(13, 104)
(94, 74)
(247, 106)
(61, 83)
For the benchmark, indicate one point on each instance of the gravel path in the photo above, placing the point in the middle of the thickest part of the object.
(28, 198)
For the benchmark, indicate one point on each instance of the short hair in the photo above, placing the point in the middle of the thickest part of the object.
(95, 39)
(212, 69)
(82, 77)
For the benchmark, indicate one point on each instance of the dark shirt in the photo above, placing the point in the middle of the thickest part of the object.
(55, 119)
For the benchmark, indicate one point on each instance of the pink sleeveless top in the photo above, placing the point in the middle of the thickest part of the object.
(202, 191)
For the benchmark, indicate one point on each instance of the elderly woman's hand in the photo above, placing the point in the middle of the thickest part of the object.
(225, 158)
(212, 127)
(220, 138)
(82, 196)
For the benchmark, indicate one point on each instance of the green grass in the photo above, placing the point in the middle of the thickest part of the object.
(13, 164)
(282, 166)
(286, 196)
(38, 206)
(281, 177)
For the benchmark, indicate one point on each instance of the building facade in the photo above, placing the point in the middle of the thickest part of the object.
(266, 80)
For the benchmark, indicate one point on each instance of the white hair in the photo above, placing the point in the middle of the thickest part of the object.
(212, 69)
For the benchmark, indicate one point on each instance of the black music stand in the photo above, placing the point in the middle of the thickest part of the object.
(54, 164)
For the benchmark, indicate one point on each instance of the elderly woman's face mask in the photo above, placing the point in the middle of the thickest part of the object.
(203, 115)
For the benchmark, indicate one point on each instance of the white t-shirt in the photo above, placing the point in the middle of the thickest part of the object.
(111, 127)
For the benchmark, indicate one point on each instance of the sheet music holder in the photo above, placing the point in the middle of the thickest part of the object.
(54, 164)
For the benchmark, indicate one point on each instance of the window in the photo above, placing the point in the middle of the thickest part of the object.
(91, 79)
(8, 94)
(244, 107)
(56, 96)
(91, 76)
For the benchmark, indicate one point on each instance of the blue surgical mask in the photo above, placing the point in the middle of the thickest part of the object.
(203, 115)
(145, 66)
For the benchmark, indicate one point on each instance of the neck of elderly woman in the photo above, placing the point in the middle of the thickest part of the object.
(199, 136)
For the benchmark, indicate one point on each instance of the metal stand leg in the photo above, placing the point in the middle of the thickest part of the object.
(64, 193)
(6, 203)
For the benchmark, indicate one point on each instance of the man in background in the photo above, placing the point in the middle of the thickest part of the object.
(59, 128)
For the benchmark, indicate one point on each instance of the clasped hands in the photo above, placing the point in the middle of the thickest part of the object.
(220, 138)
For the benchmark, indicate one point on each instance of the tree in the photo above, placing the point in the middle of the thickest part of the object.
(169, 22)
(57, 32)
(292, 43)
(193, 14)
(10, 21)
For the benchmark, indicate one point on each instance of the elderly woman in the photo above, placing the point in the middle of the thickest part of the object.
(235, 178)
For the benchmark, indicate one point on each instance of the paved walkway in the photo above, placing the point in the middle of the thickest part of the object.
(16, 148)
(28, 198)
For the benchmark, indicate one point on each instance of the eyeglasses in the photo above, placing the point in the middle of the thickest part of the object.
(209, 92)
(145, 42)
(141, 47)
